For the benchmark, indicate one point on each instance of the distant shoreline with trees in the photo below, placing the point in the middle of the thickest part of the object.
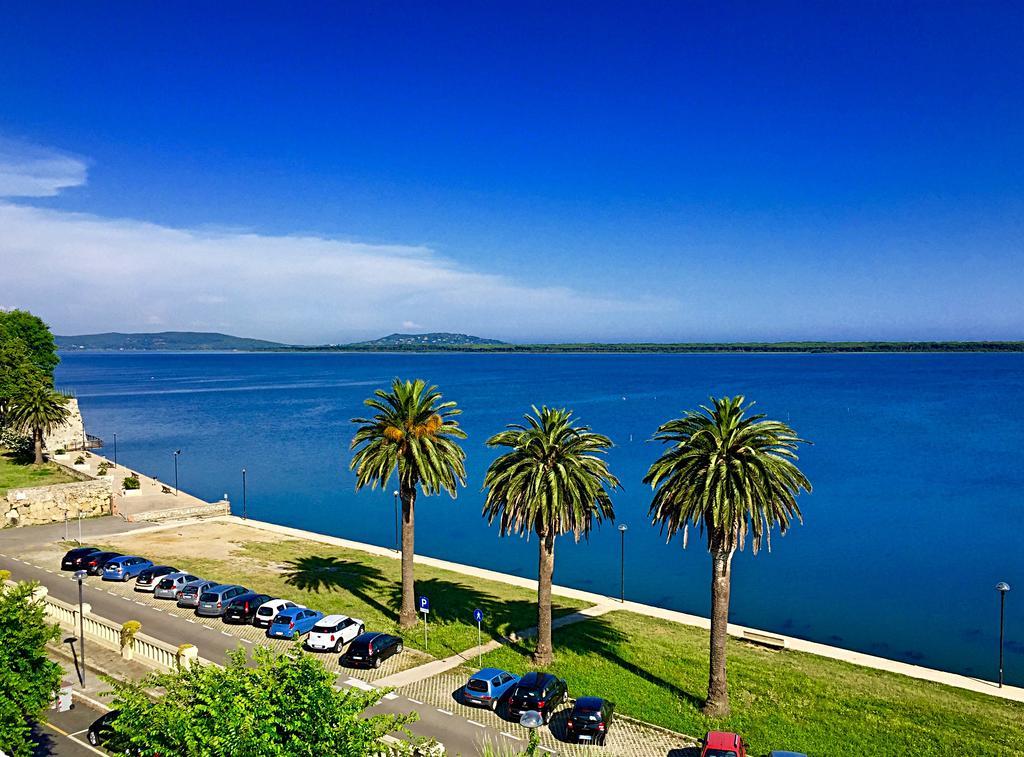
(190, 341)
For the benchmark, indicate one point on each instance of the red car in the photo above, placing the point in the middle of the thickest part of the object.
(722, 744)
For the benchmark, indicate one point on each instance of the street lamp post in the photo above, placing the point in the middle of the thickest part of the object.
(244, 508)
(176, 453)
(80, 576)
(395, 493)
(1002, 587)
(622, 561)
(115, 450)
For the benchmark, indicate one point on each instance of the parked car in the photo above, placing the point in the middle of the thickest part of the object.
(293, 622)
(72, 559)
(93, 564)
(243, 609)
(188, 595)
(487, 687)
(590, 719)
(723, 744)
(169, 586)
(369, 650)
(268, 611)
(100, 731)
(150, 577)
(542, 692)
(213, 601)
(124, 567)
(333, 632)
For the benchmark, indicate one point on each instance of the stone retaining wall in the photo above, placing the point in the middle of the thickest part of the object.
(205, 510)
(49, 504)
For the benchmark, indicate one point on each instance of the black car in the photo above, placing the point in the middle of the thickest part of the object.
(370, 649)
(100, 731)
(243, 609)
(72, 559)
(94, 563)
(542, 692)
(150, 577)
(590, 720)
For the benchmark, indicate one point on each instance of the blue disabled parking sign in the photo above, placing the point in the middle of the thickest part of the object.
(424, 604)
(478, 615)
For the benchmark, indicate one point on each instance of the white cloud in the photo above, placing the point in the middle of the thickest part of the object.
(28, 170)
(411, 325)
(84, 273)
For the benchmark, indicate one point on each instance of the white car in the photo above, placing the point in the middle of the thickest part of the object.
(333, 632)
(269, 610)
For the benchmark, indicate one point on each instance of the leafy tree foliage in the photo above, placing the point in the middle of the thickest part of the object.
(282, 704)
(17, 374)
(31, 331)
(552, 481)
(413, 433)
(38, 409)
(28, 680)
(730, 474)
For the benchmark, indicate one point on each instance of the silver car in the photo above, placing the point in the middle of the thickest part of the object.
(169, 586)
(188, 595)
(215, 600)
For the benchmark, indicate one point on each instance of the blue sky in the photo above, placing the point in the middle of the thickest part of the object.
(528, 171)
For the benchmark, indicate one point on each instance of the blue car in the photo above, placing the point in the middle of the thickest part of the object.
(488, 687)
(293, 622)
(125, 567)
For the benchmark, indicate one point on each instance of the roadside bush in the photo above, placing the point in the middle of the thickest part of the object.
(128, 631)
(79, 460)
(131, 482)
(28, 680)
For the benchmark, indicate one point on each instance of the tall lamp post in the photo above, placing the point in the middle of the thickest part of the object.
(244, 510)
(1002, 587)
(176, 453)
(115, 449)
(622, 562)
(80, 576)
(395, 493)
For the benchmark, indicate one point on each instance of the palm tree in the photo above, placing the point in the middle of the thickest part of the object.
(551, 482)
(727, 474)
(413, 433)
(38, 409)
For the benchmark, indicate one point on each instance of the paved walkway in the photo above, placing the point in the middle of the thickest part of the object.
(1015, 693)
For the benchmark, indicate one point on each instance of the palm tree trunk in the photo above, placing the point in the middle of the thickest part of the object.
(545, 570)
(407, 614)
(37, 437)
(717, 704)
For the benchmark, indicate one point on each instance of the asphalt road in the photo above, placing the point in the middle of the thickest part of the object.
(63, 735)
(457, 734)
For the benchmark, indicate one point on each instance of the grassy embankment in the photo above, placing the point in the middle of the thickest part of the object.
(656, 671)
(15, 474)
(358, 584)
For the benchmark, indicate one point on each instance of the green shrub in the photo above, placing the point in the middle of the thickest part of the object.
(131, 482)
(79, 460)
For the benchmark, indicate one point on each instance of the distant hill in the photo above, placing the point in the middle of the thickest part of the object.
(438, 339)
(164, 340)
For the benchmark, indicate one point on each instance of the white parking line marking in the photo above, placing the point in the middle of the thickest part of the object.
(445, 712)
(545, 749)
(189, 620)
(225, 633)
(473, 722)
(510, 736)
(246, 641)
(391, 695)
(139, 603)
(49, 571)
(415, 701)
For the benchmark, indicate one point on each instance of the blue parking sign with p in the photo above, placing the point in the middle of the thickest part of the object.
(478, 615)
(424, 604)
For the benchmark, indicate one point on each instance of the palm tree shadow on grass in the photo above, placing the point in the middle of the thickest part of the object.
(604, 640)
(315, 573)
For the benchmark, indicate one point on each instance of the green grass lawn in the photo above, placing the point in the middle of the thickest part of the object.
(656, 671)
(15, 474)
(362, 585)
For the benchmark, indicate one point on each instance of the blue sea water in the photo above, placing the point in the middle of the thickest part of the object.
(917, 467)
